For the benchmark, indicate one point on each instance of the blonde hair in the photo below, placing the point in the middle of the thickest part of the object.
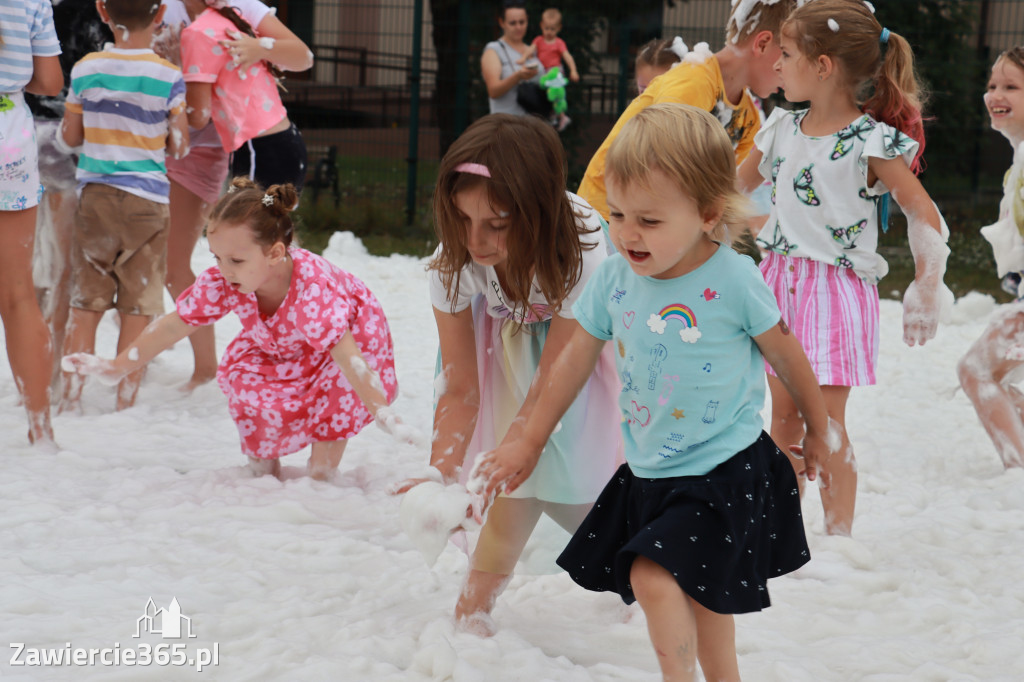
(552, 15)
(526, 163)
(691, 147)
(266, 213)
(747, 20)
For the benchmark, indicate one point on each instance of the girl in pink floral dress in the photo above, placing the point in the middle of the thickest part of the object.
(314, 362)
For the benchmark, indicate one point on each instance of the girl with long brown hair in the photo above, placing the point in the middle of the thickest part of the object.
(515, 251)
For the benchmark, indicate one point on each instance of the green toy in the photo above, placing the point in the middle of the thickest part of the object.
(554, 82)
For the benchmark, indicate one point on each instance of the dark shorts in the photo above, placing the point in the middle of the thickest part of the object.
(272, 159)
(722, 534)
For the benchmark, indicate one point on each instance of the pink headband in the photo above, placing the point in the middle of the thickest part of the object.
(474, 168)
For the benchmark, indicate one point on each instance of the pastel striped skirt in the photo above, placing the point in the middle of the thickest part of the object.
(583, 454)
(832, 312)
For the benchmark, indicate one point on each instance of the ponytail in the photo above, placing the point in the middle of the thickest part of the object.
(897, 95)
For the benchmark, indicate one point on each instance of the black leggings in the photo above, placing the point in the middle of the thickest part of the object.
(272, 159)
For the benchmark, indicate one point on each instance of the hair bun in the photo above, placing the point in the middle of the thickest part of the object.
(241, 182)
(285, 198)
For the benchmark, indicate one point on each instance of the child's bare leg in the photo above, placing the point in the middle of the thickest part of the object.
(671, 622)
(131, 327)
(787, 424)
(265, 467)
(984, 372)
(508, 527)
(840, 496)
(187, 215)
(80, 337)
(716, 644)
(60, 206)
(28, 340)
(325, 458)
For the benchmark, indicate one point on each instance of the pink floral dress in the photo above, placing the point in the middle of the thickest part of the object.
(284, 389)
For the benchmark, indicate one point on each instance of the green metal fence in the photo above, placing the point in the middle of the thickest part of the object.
(395, 81)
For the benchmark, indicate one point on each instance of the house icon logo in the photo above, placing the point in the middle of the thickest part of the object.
(164, 622)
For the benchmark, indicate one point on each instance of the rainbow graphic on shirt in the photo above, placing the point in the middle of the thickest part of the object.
(658, 322)
(678, 311)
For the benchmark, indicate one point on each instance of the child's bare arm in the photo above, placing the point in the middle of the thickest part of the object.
(574, 75)
(513, 461)
(47, 78)
(198, 96)
(458, 397)
(72, 130)
(363, 378)
(160, 334)
(784, 353)
(922, 301)
(530, 52)
(748, 177)
(177, 135)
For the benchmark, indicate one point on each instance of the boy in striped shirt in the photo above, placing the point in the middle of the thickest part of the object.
(125, 110)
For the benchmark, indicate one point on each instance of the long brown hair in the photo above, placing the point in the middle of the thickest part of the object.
(866, 60)
(527, 178)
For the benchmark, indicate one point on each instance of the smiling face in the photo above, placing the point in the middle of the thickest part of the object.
(1004, 99)
(798, 77)
(246, 264)
(486, 226)
(659, 230)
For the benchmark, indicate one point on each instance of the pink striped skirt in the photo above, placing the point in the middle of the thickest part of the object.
(832, 312)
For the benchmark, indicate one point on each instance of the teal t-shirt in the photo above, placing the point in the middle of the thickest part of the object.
(692, 377)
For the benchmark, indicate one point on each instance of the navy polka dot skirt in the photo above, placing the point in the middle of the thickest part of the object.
(722, 534)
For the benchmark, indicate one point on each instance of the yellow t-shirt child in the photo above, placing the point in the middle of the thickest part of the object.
(699, 84)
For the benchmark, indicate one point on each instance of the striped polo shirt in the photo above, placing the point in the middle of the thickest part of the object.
(125, 98)
(26, 30)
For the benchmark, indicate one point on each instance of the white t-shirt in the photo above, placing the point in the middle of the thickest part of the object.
(822, 207)
(480, 279)
(253, 11)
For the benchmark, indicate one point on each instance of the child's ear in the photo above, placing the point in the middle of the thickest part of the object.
(762, 41)
(159, 17)
(278, 252)
(101, 9)
(826, 67)
(712, 215)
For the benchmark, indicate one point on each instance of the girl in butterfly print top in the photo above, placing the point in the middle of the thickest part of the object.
(314, 362)
(830, 163)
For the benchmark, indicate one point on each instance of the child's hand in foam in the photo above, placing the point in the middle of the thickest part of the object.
(87, 364)
(504, 468)
(389, 422)
(922, 307)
